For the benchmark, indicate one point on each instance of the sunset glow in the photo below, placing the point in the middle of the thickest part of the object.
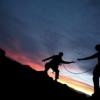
(24, 60)
(33, 30)
(79, 86)
(82, 87)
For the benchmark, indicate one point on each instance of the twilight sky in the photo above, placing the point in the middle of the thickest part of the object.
(31, 30)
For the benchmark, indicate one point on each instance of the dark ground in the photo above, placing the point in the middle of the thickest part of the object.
(21, 82)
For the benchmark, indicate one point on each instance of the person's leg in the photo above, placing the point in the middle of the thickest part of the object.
(96, 83)
(96, 76)
(46, 68)
(57, 74)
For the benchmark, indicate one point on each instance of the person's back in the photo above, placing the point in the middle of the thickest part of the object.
(97, 47)
(98, 56)
(55, 61)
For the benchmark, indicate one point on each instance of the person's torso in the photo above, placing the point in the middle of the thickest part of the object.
(98, 58)
(56, 60)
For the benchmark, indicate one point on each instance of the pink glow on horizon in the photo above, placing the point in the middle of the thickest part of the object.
(62, 79)
(24, 60)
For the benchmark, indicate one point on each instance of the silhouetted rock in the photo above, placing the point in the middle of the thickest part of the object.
(2, 53)
(21, 81)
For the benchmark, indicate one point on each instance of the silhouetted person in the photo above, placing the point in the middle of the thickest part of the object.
(96, 71)
(54, 62)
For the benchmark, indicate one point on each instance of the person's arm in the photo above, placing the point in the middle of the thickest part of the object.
(90, 57)
(66, 62)
(47, 58)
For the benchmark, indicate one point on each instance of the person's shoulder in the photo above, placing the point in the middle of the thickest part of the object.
(55, 56)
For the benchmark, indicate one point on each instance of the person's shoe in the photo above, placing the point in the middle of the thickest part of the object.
(96, 94)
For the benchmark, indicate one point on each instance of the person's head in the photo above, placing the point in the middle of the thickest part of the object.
(61, 54)
(97, 47)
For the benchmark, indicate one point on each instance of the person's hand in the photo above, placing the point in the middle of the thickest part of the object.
(79, 59)
(43, 60)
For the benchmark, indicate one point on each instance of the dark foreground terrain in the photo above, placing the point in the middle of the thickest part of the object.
(21, 82)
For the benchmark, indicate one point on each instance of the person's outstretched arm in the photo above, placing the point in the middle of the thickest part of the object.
(67, 62)
(47, 58)
(90, 57)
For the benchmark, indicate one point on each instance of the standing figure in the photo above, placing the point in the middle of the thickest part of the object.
(96, 71)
